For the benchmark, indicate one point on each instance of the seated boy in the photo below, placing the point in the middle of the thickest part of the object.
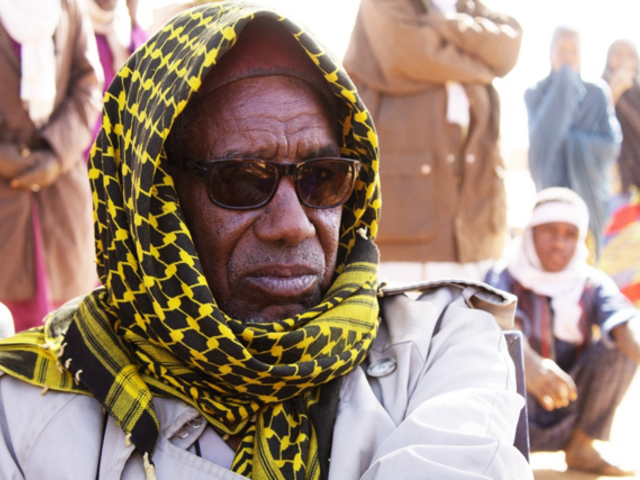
(581, 335)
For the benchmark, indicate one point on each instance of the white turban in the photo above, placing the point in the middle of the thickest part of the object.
(565, 288)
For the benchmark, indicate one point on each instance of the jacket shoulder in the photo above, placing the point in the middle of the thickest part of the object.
(43, 428)
(598, 278)
(479, 295)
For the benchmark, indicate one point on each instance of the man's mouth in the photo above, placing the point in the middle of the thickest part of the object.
(283, 281)
(284, 286)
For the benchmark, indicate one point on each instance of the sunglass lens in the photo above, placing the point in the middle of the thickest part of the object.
(325, 183)
(241, 184)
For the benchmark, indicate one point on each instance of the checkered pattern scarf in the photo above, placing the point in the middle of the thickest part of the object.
(155, 328)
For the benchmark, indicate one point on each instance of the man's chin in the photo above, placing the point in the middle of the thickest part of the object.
(262, 299)
(273, 312)
(555, 267)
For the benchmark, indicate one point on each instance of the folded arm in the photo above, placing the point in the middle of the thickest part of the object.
(410, 49)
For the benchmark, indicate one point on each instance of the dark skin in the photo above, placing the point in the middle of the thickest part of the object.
(28, 169)
(270, 263)
(555, 245)
(553, 388)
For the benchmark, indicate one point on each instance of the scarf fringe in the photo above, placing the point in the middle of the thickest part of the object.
(149, 469)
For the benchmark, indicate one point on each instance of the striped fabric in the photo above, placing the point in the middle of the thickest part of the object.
(620, 256)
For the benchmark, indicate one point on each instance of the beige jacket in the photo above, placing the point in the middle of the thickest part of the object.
(65, 210)
(442, 188)
(447, 411)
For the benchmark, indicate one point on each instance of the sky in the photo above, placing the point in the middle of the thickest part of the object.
(599, 23)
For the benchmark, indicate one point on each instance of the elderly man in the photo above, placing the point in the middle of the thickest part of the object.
(240, 332)
(582, 334)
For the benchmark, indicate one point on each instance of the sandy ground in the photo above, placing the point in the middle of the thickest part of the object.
(624, 446)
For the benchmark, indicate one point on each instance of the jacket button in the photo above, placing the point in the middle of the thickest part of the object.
(451, 158)
(382, 367)
(425, 169)
(470, 158)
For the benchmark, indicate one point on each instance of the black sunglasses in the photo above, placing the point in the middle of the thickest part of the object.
(246, 183)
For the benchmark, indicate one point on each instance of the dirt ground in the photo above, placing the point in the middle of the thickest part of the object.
(624, 446)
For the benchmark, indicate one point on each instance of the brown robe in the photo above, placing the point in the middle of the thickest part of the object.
(628, 112)
(65, 207)
(443, 194)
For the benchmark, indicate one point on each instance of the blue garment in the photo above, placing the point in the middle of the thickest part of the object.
(574, 138)
(602, 303)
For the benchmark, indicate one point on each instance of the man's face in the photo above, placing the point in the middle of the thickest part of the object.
(555, 244)
(566, 51)
(622, 55)
(276, 261)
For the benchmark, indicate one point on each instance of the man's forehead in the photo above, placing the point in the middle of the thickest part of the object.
(265, 48)
(262, 103)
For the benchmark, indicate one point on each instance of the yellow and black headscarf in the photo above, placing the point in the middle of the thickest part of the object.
(155, 328)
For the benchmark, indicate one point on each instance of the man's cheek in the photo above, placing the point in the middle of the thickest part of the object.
(328, 227)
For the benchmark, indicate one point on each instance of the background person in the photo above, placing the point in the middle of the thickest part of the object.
(425, 69)
(573, 133)
(620, 256)
(621, 73)
(117, 34)
(50, 83)
(575, 378)
(240, 320)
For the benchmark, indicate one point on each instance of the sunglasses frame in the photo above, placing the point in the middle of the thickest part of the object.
(202, 167)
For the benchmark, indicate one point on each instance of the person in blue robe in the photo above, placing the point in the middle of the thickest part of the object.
(574, 136)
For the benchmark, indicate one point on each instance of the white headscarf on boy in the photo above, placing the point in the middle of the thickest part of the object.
(565, 288)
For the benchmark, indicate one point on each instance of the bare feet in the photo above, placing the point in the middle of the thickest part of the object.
(581, 454)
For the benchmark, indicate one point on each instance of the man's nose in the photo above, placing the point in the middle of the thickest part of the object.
(560, 243)
(557, 242)
(285, 219)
